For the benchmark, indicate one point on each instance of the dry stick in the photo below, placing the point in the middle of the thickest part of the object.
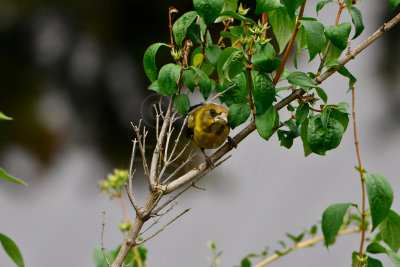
(201, 170)
(128, 186)
(198, 170)
(142, 148)
(321, 65)
(304, 244)
(101, 239)
(287, 52)
(362, 179)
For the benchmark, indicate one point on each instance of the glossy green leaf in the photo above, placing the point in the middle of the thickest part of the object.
(287, 137)
(204, 82)
(321, 139)
(371, 262)
(282, 26)
(168, 78)
(390, 230)
(226, 60)
(321, 93)
(181, 26)
(339, 34)
(238, 91)
(267, 5)
(292, 5)
(341, 117)
(182, 104)
(188, 79)
(332, 220)
(394, 3)
(395, 258)
(4, 117)
(346, 73)
(154, 86)
(265, 58)
(332, 58)
(194, 33)
(149, 61)
(301, 40)
(5, 176)
(238, 114)
(303, 134)
(263, 91)
(301, 79)
(233, 14)
(209, 10)
(266, 122)
(230, 5)
(321, 4)
(212, 54)
(315, 37)
(302, 113)
(12, 250)
(376, 248)
(380, 197)
(356, 18)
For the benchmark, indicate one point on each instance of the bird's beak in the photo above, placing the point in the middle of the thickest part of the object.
(221, 118)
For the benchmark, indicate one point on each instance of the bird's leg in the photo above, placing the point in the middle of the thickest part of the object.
(209, 162)
(232, 142)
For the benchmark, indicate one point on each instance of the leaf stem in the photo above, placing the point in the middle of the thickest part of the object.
(289, 47)
(362, 178)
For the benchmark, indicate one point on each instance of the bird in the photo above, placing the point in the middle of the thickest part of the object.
(208, 127)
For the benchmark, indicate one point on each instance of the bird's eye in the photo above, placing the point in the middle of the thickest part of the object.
(212, 112)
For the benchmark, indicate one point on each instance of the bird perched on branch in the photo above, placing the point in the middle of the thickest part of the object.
(208, 127)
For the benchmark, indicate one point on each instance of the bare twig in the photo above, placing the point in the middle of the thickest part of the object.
(128, 186)
(165, 226)
(157, 220)
(142, 148)
(190, 157)
(304, 244)
(220, 94)
(101, 240)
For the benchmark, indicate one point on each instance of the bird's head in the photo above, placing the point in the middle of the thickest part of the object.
(215, 114)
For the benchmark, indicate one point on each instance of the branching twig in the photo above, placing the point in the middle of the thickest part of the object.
(128, 186)
(362, 179)
(303, 244)
(101, 239)
(165, 226)
(141, 138)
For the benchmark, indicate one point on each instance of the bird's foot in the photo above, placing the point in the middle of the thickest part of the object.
(232, 142)
(209, 162)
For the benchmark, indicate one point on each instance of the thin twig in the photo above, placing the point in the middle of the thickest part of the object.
(289, 47)
(220, 94)
(165, 226)
(303, 244)
(363, 214)
(142, 148)
(190, 157)
(101, 240)
(157, 220)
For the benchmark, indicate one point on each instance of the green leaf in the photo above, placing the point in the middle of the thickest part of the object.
(321, 93)
(266, 122)
(395, 258)
(193, 33)
(12, 250)
(295, 239)
(263, 91)
(238, 114)
(315, 37)
(332, 220)
(181, 26)
(301, 40)
(376, 248)
(225, 61)
(349, 4)
(204, 82)
(346, 73)
(340, 116)
(154, 86)
(302, 113)
(267, 5)
(390, 230)
(245, 263)
(168, 78)
(292, 5)
(149, 61)
(5, 176)
(209, 10)
(188, 79)
(356, 18)
(344, 108)
(301, 79)
(380, 197)
(238, 93)
(321, 4)
(265, 58)
(230, 5)
(304, 134)
(394, 3)
(339, 34)
(371, 262)
(235, 15)
(4, 117)
(182, 104)
(212, 54)
(282, 26)
(321, 139)
(334, 53)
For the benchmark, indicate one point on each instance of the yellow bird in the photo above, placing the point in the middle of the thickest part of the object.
(208, 127)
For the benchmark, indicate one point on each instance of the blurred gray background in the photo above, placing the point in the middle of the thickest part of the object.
(71, 76)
